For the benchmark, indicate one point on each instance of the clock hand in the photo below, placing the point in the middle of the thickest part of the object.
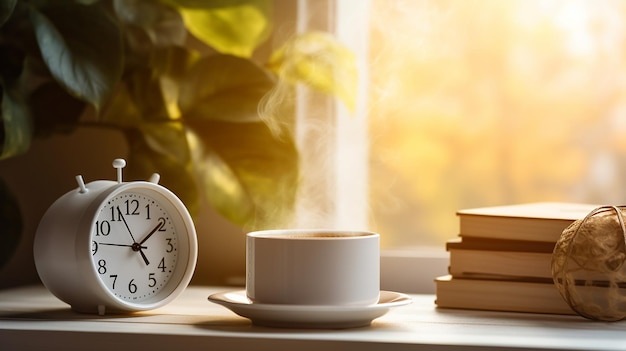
(145, 259)
(158, 226)
(143, 255)
(126, 224)
(131, 246)
(135, 247)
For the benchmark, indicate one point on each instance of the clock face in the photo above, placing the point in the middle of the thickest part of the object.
(138, 240)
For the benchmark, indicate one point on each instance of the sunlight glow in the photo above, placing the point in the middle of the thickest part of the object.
(490, 102)
(574, 19)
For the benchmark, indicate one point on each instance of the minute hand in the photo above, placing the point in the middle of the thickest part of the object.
(126, 224)
(154, 230)
(123, 245)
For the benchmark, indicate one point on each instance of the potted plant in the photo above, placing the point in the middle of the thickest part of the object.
(180, 80)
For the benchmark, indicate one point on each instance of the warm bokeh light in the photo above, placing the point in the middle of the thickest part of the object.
(490, 102)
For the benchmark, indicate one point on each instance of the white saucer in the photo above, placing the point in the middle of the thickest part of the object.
(301, 316)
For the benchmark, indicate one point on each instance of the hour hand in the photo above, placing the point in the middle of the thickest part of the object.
(143, 255)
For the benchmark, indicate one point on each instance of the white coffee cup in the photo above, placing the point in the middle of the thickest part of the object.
(313, 267)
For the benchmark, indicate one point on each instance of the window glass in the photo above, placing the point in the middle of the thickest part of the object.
(490, 102)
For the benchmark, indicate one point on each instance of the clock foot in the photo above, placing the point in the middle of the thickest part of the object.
(101, 310)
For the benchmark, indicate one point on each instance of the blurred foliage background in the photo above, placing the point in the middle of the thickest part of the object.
(182, 80)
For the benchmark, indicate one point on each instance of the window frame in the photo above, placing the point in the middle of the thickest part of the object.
(337, 196)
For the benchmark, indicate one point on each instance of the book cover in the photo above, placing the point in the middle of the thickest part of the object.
(486, 244)
(499, 295)
(499, 259)
(541, 221)
(500, 264)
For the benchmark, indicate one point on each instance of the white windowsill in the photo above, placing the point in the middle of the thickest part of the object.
(31, 319)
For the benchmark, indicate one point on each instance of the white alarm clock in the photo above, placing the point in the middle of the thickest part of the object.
(116, 246)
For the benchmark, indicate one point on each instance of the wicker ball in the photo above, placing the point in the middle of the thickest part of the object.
(588, 264)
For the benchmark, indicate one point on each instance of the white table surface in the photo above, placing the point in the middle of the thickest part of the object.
(31, 318)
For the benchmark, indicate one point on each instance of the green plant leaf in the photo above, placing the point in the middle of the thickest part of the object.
(147, 95)
(250, 175)
(213, 4)
(163, 148)
(224, 191)
(236, 28)
(167, 139)
(224, 87)
(172, 61)
(6, 10)
(121, 110)
(16, 133)
(317, 60)
(82, 47)
(162, 23)
(149, 92)
(169, 65)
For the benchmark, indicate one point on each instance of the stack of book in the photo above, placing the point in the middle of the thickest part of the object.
(501, 260)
